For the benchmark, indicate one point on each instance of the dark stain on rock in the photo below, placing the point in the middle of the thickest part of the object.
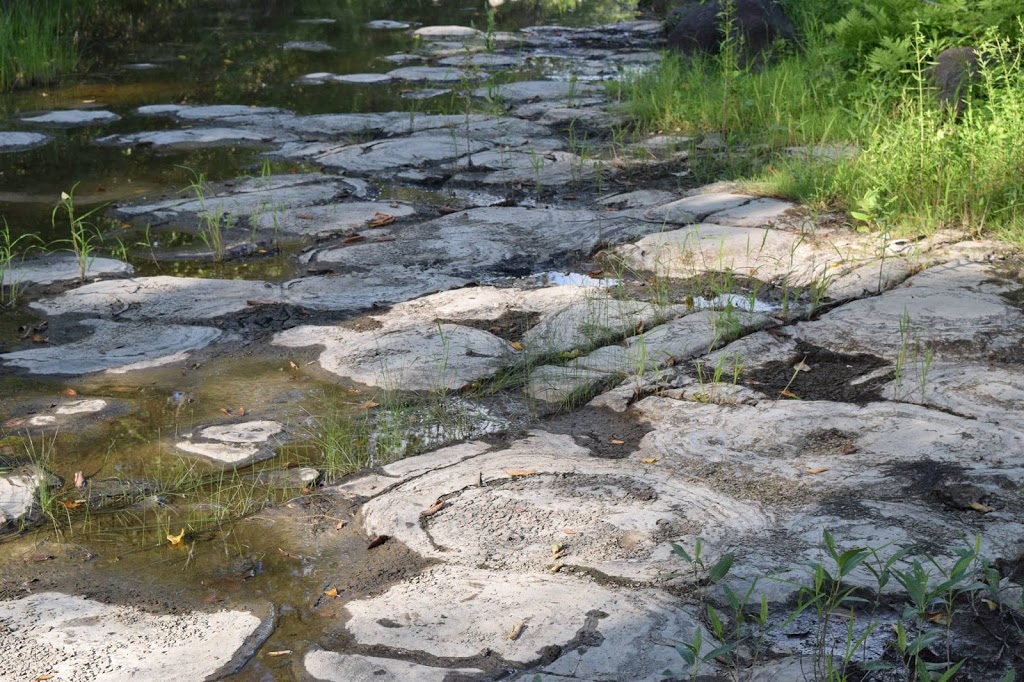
(832, 376)
(606, 433)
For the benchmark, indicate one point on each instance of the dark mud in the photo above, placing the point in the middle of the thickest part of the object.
(830, 376)
(606, 433)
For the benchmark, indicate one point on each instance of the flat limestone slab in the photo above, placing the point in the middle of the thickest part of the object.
(425, 357)
(115, 347)
(191, 138)
(17, 497)
(498, 240)
(234, 445)
(696, 208)
(163, 298)
(74, 118)
(61, 268)
(334, 667)
(767, 254)
(622, 512)
(522, 91)
(445, 32)
(461, 613)
(384, 285)
(757, 213)
(337, 217)
(431, 74)
(90, 641)
(11, 141)
(412, 152)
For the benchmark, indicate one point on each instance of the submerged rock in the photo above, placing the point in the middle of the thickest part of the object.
(61, 268)
(114, 347)
(234, 445)
(18, 496)
(17, 142)
(73, 118)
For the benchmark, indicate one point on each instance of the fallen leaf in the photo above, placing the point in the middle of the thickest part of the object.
(341, 524)
(89, 101)
(39, 338)
(74, 504)
(816, 470)
(992, 606)
(786, 393)
(802, 367)
(293, 365)
(569, 197)
(381, 219)
(516, 344)
(940, 617)
(70, 392)
(521, 472)
(649, 460)
(290, 465)
(556, 568)
(596, 274)
(378, 541)
(352, 390)
(304, 216)
(240, 412)
(44, 676)
(616, 441)
(557, 549)
(14, 423)
(283, 652)
(569, 531)
(39, 558)
(332, 593)
(176, 539)
(433, 509)
(981, 507)
(290, 555)
(353, 239)
(224, 411)
(369, 405)
(516, 630)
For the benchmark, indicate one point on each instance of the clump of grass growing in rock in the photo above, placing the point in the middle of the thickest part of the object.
(83, 235)
(12, 249)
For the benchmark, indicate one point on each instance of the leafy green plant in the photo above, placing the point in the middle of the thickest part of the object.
(83, 234)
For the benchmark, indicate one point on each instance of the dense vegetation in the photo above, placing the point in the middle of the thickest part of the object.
(858, 86)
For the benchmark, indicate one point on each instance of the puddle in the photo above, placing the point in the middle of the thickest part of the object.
(575, 279)
(749, 304)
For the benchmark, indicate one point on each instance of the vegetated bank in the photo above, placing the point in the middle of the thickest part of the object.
(898, 129)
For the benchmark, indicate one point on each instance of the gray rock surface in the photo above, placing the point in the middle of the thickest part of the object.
(12, 141)
(61, 268)
(190, 138)
(96, 642)
(73, 118)
(114, 347)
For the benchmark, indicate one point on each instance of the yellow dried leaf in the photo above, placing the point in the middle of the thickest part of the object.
(816, 470)
(521, 472)
(649, 460)
(341, 524)
(786, 393)
(556, 568)
(982, 507)
(332, 593)
(940, 617)
(616, 441)
(293, 365)
(283, 652)
(516, 630)
(176, 539)
(369, 405)
(516, 344)
(992, 606)
(43, 677)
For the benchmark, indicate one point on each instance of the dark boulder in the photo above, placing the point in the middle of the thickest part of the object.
(956, 70)
(757, 24)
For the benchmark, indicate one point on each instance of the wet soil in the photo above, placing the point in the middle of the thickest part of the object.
(606, 433)
(838, 377)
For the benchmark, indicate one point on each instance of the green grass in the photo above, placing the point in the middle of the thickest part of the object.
(34, 45)
(916, 168)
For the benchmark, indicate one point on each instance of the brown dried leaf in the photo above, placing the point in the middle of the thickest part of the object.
(70, 392)
(240, 412)
(982, 507)
(433, 509)
(514, 473)
(378, 541)
(224, 411)
(786, 393)
(341, 524)
(569, 531)
(381, 219)
(369, 405)
(516, 631)
(14, 423)
(74, 504)
(290, 555)
(556, 568)
(353, 239)
(39, 338)
(43, 677)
